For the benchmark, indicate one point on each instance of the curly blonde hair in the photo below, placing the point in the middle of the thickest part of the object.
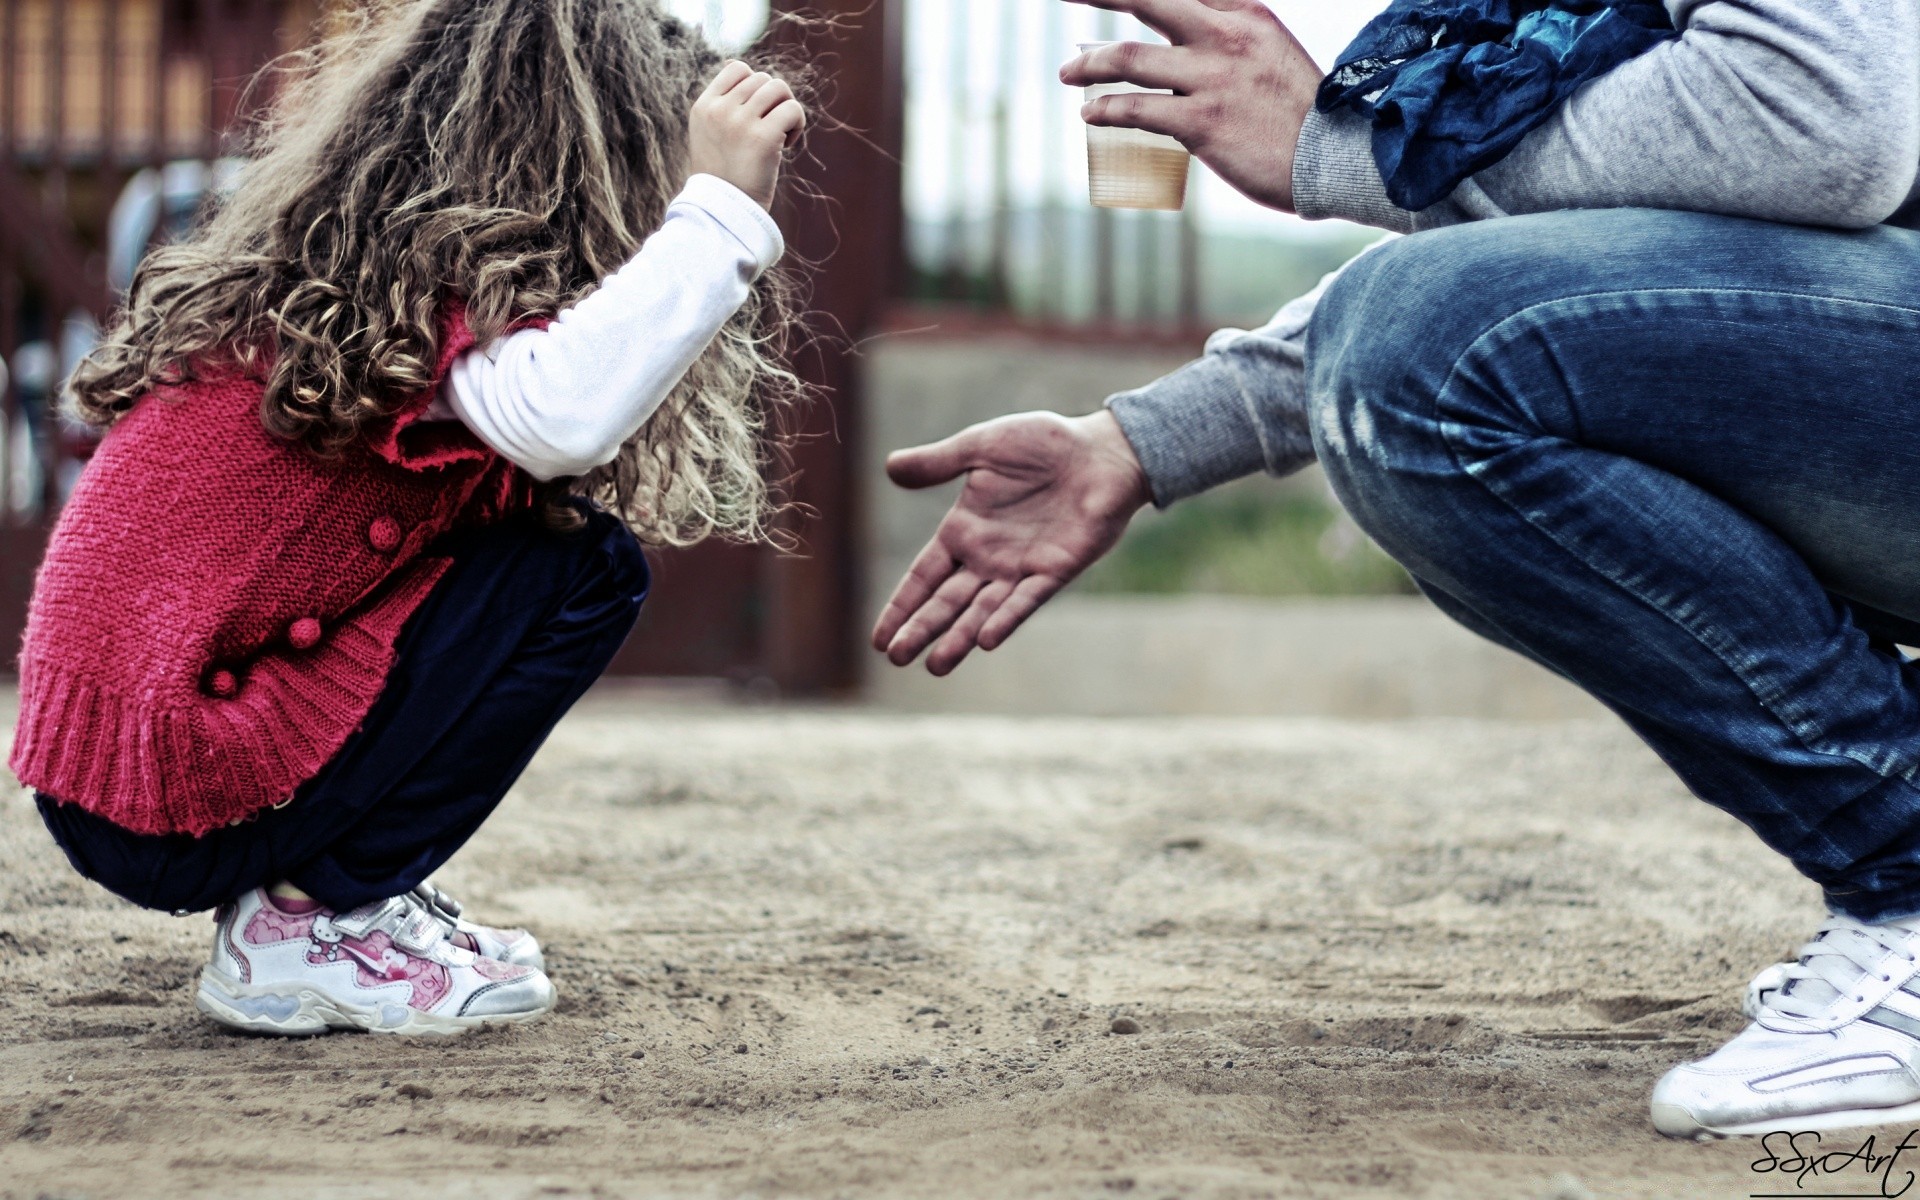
(509, 154)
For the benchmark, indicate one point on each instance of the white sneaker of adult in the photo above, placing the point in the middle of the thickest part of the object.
(1834, 1043)
(386, 967)
(515, 946)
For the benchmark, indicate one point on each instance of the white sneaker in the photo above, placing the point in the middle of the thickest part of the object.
(1835, 1043)
(515, 946)
(386, 967)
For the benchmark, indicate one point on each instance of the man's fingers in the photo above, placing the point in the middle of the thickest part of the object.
(931, 619)
(1171, 115)
(930, 569)
(1129, 62)
(1178, 21)
(728, 78)
(1026, 600)
(932, 464)
(958, 642)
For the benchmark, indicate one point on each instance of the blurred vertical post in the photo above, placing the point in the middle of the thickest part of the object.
(10, 60)
(1104, 304)
(54, 188)
(53, 193)
(853, 232)
(1190, 315)
(157, 107)
(1000, 286)
(110, 95)
(1054, 297)
(957, 281)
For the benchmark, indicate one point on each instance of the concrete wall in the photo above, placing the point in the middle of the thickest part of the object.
(1371, 657)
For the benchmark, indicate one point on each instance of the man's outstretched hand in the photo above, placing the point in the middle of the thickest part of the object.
(1242, 87)
(1045, 497)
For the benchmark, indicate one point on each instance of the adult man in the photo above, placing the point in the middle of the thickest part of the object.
(1656, 435)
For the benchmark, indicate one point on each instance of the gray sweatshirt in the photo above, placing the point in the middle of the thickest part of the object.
(1804, 111)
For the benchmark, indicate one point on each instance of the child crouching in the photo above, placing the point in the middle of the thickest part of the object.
(492, 298)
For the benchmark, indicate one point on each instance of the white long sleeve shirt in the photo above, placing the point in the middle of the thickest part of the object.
(561, 400)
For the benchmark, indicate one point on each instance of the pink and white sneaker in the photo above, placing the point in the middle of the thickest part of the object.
(386, 967)
(515, 946)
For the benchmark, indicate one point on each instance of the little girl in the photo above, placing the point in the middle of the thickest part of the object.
(381, 437)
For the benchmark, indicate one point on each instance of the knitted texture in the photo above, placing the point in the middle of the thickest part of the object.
(218, 608)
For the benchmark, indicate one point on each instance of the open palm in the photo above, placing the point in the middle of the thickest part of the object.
(1045, 497)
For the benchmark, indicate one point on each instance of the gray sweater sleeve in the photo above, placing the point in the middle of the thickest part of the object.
(1238, 409)
(1805, 111)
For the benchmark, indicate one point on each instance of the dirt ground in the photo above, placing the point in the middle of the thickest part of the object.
(851, 954)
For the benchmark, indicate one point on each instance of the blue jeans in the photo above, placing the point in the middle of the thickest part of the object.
(1675, 459)
(510, 637)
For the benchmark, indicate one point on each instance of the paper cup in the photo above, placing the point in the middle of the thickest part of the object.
(1131, 168)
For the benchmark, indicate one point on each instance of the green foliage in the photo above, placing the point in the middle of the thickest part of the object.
(1254, 539)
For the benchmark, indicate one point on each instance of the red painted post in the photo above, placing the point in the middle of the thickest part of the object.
(10, 68)
(853, 159)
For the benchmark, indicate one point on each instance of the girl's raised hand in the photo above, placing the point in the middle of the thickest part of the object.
(740, 126)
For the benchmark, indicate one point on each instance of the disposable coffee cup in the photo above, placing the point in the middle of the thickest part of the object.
(1131, 168)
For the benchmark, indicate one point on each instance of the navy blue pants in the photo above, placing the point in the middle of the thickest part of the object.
(512, 635)
(1671, 457)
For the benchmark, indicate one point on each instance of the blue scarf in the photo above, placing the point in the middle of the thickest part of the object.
(1452, 86)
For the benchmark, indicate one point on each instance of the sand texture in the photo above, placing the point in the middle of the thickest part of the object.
(847, 954)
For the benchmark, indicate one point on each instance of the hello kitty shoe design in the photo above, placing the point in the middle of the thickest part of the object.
(515, 946)
(386, 967)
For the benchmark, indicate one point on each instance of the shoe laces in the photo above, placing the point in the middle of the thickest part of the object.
(1842, 956)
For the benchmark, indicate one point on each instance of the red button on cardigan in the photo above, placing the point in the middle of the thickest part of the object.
(384, 535)
(146, 582)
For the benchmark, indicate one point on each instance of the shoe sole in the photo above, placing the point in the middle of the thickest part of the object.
(1677, 1122)
(303, 1012)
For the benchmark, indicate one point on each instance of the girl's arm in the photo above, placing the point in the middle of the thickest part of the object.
(560, 401)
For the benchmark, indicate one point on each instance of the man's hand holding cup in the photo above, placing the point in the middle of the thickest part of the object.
(1242, 87)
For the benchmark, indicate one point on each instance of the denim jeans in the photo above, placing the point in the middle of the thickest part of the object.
(510, 637)
(1675, 459)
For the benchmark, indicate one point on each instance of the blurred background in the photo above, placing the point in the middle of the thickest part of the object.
(962, 275)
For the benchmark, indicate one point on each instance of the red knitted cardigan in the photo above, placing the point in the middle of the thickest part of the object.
(218, 608)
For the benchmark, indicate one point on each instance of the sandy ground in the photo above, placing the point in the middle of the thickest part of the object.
(848, 954)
